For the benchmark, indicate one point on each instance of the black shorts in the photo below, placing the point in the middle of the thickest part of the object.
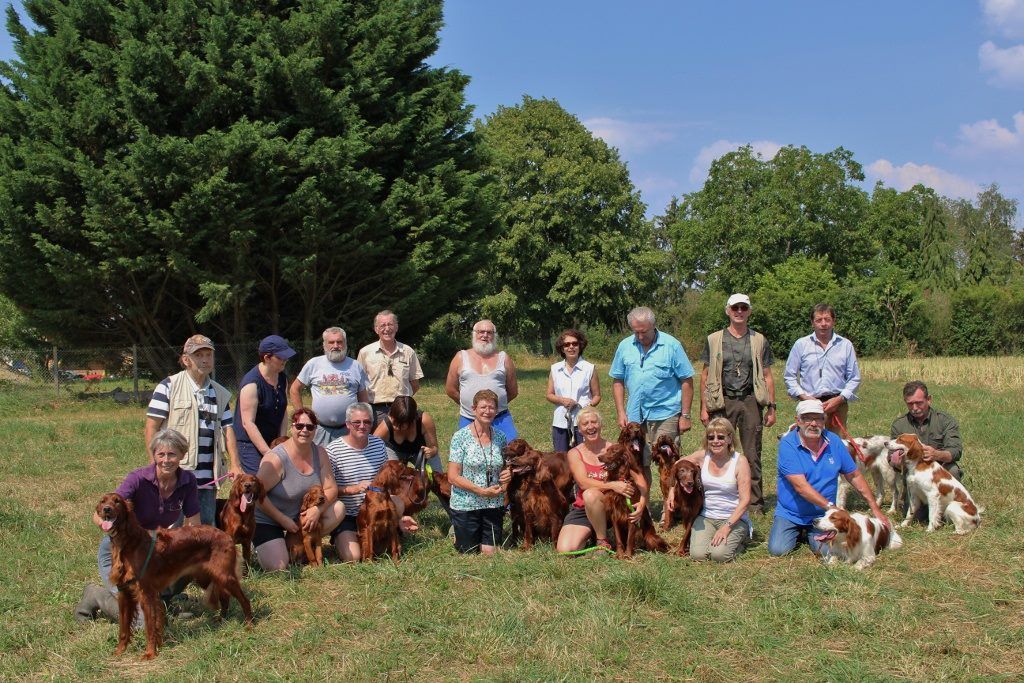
(474, 528)
(578, 517)
(347, 524)
(266, 532)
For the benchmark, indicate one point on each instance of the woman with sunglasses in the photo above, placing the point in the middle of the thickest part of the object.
(287, 472)
(572, 384)
(723, 527)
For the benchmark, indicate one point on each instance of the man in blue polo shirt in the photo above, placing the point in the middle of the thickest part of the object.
(652, 367)
(810, 462)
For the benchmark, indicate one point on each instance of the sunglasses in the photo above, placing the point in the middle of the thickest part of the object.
(360, 423)
(717, 437)
(304, 426)
(740, 307)
(569, 344)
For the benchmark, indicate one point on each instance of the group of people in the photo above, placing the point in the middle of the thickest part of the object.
(364, 413)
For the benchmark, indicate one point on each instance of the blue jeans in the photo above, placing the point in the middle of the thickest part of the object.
(785, 535)
(207, 507)
(560, 438)
(502, 421)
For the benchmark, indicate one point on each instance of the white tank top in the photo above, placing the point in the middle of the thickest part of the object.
(721, 494)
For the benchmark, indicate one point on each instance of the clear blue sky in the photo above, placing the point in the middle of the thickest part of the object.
(919, 91)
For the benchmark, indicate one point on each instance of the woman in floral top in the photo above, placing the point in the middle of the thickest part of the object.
(476, 472)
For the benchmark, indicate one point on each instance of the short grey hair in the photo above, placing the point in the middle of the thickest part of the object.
(384, 314)
(171, 438)
(335, 330)
(640, 314)
(358, 407)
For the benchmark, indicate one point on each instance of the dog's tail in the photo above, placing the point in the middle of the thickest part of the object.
(653, 542)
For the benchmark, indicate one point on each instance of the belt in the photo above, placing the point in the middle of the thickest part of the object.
(826, 397)
(736, 395)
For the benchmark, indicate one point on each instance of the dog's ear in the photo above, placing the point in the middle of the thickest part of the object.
(853, 533)
(698, 482)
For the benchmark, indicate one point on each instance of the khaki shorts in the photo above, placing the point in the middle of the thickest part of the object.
(655, 428)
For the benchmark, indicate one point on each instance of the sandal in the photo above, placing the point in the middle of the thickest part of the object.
(602, 547)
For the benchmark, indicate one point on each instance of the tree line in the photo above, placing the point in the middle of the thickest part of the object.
(248, 167)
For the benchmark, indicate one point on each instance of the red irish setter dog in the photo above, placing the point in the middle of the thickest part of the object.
(143, 565)
(538, 504)
(621, 466)
(237, 515)
(306, 546)
(688, 499)
(414, 491)
(665, 454)
(378, 517)
(633, 438)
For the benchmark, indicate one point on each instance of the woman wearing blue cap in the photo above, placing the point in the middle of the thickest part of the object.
(263, 403)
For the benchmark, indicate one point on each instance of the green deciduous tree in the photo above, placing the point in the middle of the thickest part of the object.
(574, 247)
(754, 214)
(244, 166)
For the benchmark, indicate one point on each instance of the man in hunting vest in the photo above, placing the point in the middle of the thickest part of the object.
(736, 383)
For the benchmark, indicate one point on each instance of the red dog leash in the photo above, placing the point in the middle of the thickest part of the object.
(846, 435)
(216, 481)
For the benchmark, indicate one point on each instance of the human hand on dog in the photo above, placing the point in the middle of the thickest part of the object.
(505, 477)
(290, 526)
(408, 524)
(310, 518)
(932, 454)
(623, 488)
(638, 511)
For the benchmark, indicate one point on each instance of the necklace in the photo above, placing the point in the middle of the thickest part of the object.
(489, 453)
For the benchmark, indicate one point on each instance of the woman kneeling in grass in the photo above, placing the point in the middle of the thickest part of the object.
(587, 517)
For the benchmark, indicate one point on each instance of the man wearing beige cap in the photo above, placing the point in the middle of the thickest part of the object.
(193, 404)
(737, 384)
(811, 459)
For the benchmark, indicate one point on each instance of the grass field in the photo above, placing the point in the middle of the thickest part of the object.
(943, 607)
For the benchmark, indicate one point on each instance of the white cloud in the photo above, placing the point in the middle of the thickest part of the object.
(909, 174)
(766, 149)
(1005, 16)
(988, 138)
(1006, 65)
(630, 136)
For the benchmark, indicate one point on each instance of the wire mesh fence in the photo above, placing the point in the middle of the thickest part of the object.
(124, 373)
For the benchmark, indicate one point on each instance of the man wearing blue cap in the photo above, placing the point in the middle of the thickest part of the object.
(263, 402)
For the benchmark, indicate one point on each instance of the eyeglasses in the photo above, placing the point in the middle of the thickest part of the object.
(740, 307)
(387, 326)
(717, 437)
(570, 344)
(812, 418)
(360, 423)
(304, 426)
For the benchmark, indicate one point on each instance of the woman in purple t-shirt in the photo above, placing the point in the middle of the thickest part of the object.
(163, 495)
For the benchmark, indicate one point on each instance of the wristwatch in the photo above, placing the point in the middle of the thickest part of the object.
(686, 415)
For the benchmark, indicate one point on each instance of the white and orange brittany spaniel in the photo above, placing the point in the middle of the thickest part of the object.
(855, 538)
(929, 483)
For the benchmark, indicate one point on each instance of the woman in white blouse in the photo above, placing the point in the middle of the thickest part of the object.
(572, 385)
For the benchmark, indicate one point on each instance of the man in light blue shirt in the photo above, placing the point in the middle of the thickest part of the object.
(652, 367)
(823, 365)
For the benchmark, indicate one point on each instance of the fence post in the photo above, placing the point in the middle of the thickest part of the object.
(56, 372)
(135, 372)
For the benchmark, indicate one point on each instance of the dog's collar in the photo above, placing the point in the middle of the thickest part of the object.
(145, 565)
(375, 489)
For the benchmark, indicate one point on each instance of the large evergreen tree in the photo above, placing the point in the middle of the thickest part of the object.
(574, 246)
(938, 271)
(251, 166)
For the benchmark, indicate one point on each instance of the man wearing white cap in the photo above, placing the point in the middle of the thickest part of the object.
(810, 461)
(737, 384)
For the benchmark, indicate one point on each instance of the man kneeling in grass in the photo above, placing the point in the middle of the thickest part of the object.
(810, 460)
